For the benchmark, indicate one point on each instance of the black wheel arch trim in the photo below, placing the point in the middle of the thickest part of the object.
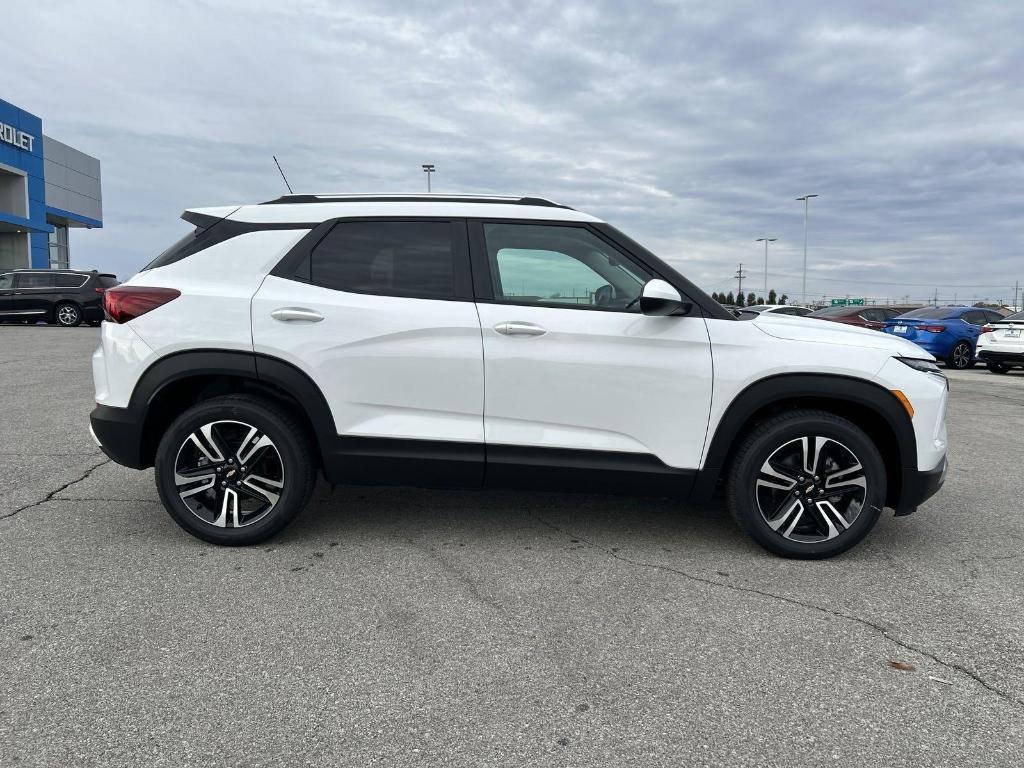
(122, 430)
(785, 387)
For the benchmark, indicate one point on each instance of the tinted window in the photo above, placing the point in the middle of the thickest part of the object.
(991, 316)
(873, 315)
(561, 266)
(35, 280)
(833, 312)
(974, 318)
(69, 281)
(6, 281)
(929, 313)
(1017, 318)
(394, 258)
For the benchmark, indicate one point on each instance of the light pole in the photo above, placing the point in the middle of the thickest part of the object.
(428, 168)
(766, 240)
(806, 199)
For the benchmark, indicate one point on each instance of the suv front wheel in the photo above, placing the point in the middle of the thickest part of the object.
(234, 470)
(807, 484)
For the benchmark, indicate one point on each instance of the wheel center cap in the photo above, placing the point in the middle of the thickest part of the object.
(810, 489)
(231, 474)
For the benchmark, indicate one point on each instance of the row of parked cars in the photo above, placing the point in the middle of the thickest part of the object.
(957, 335)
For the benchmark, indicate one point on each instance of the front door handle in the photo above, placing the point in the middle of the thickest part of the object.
(519, 328)
(296, 314)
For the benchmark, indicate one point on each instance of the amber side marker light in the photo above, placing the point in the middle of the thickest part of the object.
(905, 401)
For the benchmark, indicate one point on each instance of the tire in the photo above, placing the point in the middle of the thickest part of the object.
(961, 356)
(67, 314)
(997, 367)
(790, 526)
(236, 510)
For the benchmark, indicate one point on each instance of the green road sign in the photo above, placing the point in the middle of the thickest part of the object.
(847, 302)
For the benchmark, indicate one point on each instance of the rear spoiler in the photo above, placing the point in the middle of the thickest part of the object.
(204, 218)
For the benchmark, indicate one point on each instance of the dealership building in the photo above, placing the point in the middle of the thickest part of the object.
(46, 189)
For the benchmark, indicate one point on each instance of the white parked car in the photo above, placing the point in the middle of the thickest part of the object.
(1001, 343)
(493, 342)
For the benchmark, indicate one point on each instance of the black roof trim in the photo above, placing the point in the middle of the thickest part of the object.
(534, 201)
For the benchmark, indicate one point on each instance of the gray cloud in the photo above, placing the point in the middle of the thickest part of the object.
(690, 125)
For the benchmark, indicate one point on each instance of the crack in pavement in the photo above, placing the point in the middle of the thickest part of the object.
(878, 628)
(54, 492)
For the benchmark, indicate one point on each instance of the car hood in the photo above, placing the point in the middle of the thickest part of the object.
(823, 332)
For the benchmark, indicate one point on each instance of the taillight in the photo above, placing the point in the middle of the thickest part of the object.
(98, 289)
(987, 329)
(933, 328)
(126, 302)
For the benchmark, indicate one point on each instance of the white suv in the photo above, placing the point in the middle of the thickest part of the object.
(493, 342)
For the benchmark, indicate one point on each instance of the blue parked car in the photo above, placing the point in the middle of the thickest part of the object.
(949, 333)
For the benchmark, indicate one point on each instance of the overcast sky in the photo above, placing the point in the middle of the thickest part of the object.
(692, 126)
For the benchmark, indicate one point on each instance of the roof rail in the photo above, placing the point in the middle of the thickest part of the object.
(357, 198)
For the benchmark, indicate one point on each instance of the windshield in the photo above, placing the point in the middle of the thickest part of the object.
(1017, 318)
(930, 313)
(830, 311)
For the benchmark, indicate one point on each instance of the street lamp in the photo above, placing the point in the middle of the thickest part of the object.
(766, 240)
(428, 168)
(806, 199)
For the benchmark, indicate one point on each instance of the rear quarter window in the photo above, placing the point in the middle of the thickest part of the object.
(69, 281)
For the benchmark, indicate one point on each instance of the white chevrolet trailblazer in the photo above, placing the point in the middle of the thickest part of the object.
(493, 342)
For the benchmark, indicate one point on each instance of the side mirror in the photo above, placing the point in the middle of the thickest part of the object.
(660, 299)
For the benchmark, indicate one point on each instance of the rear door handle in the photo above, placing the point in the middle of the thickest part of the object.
(519, 328)
(296, 314)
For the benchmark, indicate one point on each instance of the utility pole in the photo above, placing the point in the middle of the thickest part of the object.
(806, 199)
(739, 275)
(428, 168)
(1016, 287)
(766, 240)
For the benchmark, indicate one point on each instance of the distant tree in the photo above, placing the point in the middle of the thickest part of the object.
(760, 300)
(751, 299)
(716, 297)
(783, 299)
(739, 300)
(772, 297)
(729, 299)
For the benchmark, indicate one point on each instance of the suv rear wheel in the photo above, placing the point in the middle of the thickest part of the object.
(67, 314)
(234, 470)
(807, 484)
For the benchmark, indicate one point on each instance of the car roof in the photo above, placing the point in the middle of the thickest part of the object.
(315, 208)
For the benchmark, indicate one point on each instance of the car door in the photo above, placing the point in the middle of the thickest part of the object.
(576, 376)
(379, 313)
(33, 294)
(6, 292)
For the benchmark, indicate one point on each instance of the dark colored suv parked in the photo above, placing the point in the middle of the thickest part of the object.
(63, 296)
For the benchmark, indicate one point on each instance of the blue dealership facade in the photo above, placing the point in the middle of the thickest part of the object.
(47, 189)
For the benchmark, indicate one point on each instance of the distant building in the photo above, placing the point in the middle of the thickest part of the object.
(46, 189)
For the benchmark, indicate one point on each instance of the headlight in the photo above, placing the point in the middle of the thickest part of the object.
(927, 366)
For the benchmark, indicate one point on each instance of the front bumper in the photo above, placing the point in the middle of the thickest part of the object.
(118, 433)
(919, 486)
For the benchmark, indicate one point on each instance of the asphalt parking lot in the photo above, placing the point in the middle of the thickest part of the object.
(399, 627)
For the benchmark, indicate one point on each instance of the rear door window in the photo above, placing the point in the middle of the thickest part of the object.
(414, 259)
(6, 282)
(34, 280)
